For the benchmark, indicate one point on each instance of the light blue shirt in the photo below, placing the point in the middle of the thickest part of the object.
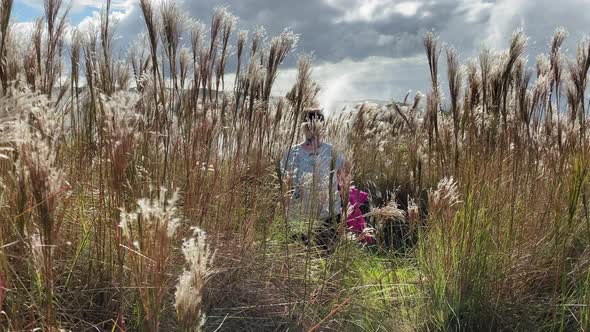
(303, 165)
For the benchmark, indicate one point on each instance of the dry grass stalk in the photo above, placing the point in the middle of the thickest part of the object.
(75, 53)
(557, 69)
(151, 24)
(55, 19)
(170, 34)
(106, 42)
(189, 290)
(5, 11)
(433, 49)
(455, 79)
(36, 39)
(517, 47)
(229, 22)
(579, 77)
(35, 131)
(149, 231)
(279, 48)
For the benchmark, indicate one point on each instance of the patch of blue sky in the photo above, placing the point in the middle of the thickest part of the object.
(29, 10)
(24, 12)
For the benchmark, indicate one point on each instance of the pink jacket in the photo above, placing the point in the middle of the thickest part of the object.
(356, 221)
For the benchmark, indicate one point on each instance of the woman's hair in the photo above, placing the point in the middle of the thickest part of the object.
(313, 114)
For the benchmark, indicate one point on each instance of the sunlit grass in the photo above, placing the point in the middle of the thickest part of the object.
(479, 194)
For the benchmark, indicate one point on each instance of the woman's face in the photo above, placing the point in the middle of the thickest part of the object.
(313, 129)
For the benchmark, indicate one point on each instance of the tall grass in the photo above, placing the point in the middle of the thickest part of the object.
(501, 253)
(491, 182)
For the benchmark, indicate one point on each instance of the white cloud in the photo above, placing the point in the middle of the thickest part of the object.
(505, 17)
(23, 28)
(474, 9)
(373, 10)
(120, 11)
(539, 19)
(407, 8)
(380, 78)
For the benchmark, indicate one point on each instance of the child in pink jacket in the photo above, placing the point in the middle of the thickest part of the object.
(356, 221)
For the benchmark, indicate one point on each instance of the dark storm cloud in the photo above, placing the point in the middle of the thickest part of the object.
(373, 48)
(323, 27)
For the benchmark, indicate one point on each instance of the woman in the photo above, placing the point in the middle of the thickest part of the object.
(313, 170)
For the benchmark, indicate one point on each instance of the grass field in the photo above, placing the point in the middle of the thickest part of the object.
(144, 193)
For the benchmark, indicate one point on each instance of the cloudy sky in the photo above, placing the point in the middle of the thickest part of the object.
(365, 49)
